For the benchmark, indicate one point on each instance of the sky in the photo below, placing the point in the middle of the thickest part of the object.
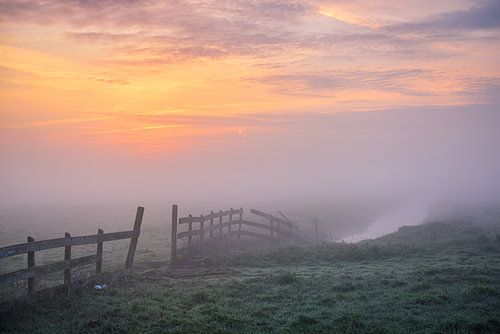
(175, 100)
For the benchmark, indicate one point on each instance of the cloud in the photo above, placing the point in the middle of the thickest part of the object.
(482, 90)
(137, 32)
(400, 81)
(485, 16)
(287, 34)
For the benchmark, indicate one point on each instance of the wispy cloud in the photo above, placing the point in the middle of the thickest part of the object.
(401, 81)
(484, 16)
(299, 47)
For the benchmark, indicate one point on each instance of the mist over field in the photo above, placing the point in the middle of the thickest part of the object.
(333, 164)
(352, 169)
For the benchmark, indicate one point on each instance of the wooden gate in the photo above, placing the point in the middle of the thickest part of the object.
(229, 224)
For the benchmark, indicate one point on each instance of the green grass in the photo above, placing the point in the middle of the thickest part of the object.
(436, 286)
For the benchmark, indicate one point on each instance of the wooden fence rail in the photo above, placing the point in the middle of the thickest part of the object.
(33, 272)
(277, 229)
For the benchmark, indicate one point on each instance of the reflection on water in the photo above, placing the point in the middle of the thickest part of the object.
(408, 215)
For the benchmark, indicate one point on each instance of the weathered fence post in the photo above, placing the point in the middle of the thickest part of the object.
(190, 228)
(211, 223)
(67, 258)
(173, 238)
(202, 223)
(230, 228)
(278, 230)
(220, 223)
(31, 264)
(239, 225)
(98, 261)
(133, 240)
(272, 229)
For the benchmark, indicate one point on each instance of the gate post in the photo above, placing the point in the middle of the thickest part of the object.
(239, 225)
(31, 264)
(133, 240)
(98, 262)
(67, 257)
(173, 239)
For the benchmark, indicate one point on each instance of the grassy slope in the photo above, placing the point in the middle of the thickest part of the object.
(417, 280)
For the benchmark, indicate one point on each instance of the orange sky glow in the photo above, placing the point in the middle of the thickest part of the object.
(109, 83)
(81, 72)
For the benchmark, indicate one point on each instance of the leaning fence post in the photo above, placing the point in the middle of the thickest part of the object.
(202, 223)
(31, 264)
(190, 228)
(173, 237)
(211, 223)
(239, 224)
(133, 240)
(67, 258)
(98, 262)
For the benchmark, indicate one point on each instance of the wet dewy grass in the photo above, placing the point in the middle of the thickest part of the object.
(425, 288)
(395, 295)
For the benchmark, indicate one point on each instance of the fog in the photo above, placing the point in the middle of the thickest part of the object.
(361, 174)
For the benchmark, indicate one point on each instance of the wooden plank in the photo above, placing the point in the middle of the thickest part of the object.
(284, 217)
(98, 262)
(254, 235)
(188, 233)
(213, 215)
(118, 236)
(230, 212)
(190, 219)
(31, 247)
(36, 246)
(261, 236)
(173, 237)
(270, 217)
(234, 222)
(31, 264)
(218, 226)
(46, 269)
(67, 257)
(255, 224)
(133, 241)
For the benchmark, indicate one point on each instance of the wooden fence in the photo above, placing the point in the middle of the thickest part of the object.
(229, 224)
(33, 272)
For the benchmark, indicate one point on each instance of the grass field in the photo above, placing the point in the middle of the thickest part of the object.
(435, 278)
